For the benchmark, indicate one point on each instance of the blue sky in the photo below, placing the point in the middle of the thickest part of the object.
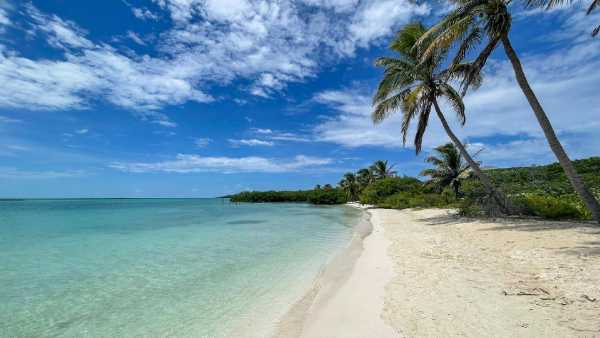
(190, 98)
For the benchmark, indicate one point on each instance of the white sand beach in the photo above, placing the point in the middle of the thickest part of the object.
(429, 273)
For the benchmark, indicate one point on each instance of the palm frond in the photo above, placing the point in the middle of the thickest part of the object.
(547, 4)
(470, 41)
(476, 66)
(455, 101)
(460, 72)
(396, 78)
(410, 107)
(444, 40)
(425, 110)
(387, 106)
(434, 160)
(406, 38)
(593, 5)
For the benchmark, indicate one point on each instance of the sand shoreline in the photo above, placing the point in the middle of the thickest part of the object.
(347, 297)
(430, 273)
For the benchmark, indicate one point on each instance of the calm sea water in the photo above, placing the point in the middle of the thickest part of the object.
(159, 267)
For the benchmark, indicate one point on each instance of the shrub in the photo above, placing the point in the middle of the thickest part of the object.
(327, 196)
(477, 201)
(405, 199)
(552, 207)
(376, 192)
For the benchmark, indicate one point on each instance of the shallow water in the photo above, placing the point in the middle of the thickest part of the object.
(159, 267)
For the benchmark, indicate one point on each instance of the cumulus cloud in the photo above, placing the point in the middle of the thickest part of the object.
(141, 84)
(186, 163)
(268, 43)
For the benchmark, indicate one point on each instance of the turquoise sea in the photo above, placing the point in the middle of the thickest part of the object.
(159, 267)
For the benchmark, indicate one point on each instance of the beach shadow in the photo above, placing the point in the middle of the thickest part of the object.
(446, 219)
(587, 249)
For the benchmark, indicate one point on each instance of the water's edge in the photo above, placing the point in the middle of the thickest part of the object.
(331, 277)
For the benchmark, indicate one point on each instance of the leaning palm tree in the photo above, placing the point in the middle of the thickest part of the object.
(364, 177)
(449, 169)
(381, 169)
(413, 85)
(468, 24)
(350, 186)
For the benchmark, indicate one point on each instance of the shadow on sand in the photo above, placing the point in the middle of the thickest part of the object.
(584, 248)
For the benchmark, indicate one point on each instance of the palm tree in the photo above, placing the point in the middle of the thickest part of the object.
(467, 24)
(364, 177)
(380, 169)
(413, 86)
(350, 186)
(449, 168)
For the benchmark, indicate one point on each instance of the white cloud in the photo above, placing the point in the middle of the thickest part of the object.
(185, 163)
(82, 131)
(275, 135)
(262, 130)
(4, 18)
(202, 142)
(44, 84)
(269, 43)
(250, 142)
(291, 137)
(336, 5)
(13, 173)
(143, 13)
(353, 126)
(135, 38)
(61, 33)
(376, 19)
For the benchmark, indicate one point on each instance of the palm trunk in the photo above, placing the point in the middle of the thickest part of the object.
(576, 181)
(487, 183)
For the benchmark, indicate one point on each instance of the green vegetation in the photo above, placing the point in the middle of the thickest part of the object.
(271, 196)
(540, 191)
(379, 190)
(415, 81)
(488, 23)
(449, 168)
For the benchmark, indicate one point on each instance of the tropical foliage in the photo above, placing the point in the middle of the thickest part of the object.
(487, 23)
(449, 168)
(350, 186)
(414, 80)
(542, 191)
(383, 188)
(381, 169)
